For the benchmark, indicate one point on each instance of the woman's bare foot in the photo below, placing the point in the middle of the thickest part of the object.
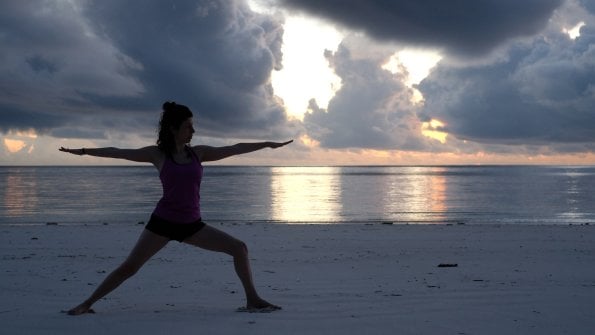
(261, 304)
(81, 309)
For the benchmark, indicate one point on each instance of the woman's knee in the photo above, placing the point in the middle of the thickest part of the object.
(240, 248)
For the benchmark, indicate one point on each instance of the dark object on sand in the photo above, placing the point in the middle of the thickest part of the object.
(448, 265)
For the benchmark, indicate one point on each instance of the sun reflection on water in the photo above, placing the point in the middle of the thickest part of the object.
(306, 194)
(419, 195)
(20, 194)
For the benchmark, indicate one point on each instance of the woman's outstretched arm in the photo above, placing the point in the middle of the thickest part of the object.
(148, 154)
(207, 153)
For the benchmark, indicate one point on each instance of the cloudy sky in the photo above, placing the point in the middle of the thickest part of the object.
(352, 81)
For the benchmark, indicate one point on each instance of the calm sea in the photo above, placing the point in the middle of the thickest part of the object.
(416, 194)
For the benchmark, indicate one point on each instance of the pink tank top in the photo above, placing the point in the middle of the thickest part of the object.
(180, 202)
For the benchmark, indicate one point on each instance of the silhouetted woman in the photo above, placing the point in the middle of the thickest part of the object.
(177, 215)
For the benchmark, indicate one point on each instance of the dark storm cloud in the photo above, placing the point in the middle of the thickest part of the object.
(464, 27)
(543, 93)
(21, 119)
(88, 62)
(589, 5)
(214, 56)
(50, 58)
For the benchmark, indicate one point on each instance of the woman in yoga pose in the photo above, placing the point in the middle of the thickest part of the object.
(177, 215)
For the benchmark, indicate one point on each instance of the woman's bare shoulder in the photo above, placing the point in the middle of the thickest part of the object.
(200, 150)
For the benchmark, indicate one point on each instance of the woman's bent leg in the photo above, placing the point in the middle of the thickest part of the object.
(215, 240)
(147, 245)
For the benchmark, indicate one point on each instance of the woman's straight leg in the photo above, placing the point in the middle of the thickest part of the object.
(147, 245)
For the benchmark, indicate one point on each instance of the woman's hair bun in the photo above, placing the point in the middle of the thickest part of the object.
(168, 106)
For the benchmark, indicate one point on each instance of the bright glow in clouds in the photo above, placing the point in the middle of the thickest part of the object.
(417, 63)
(575, 31)
(431, 130)
(26, 134)
(14, 146)
(309, 142)
(306, 74)
(15, 141)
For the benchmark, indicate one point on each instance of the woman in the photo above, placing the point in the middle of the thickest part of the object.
(177, 214)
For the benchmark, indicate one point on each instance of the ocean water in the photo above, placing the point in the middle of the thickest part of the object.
(354, 194)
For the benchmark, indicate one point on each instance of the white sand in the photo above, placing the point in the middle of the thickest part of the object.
(330, 279)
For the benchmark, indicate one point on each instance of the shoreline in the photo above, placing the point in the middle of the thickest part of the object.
(219, 222)
(329, 278)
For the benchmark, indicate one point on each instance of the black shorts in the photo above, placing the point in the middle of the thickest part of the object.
(173, 230)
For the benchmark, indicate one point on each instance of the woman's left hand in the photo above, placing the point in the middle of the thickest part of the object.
(275, 145)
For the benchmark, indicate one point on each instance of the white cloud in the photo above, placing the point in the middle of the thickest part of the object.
(373, 108)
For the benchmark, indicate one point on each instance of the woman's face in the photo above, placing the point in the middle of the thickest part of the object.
(184, 133)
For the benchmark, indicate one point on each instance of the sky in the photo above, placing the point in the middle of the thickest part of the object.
(353, 81)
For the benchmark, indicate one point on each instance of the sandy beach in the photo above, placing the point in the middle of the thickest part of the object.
(330, 279)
